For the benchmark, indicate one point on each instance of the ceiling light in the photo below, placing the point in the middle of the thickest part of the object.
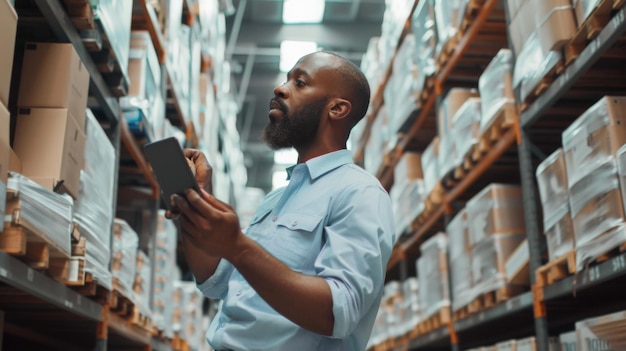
(291, 51)
(303, 11)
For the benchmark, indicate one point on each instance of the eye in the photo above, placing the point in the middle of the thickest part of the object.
(300, 83)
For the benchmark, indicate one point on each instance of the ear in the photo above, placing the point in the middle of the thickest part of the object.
(339, 108)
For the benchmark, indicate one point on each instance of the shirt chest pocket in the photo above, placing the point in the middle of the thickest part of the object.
(296, 239)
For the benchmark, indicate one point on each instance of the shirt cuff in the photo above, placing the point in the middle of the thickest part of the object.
(215, 285)
(341, 309)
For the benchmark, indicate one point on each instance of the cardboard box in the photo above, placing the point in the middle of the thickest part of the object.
(53, 76)
(602, 333)
(5, 161)
(15, 164)
(596, 203)
(8, 29)
(553, 186)
(5, 124)
(497, 209)
(517, 265)
(555, 23)
(560, 236)
(594, 138)
(495, 86)
(489, 261)
(522, 25)
(455, 98)
(50, 144)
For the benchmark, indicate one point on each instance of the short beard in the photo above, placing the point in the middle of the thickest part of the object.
(295, 130)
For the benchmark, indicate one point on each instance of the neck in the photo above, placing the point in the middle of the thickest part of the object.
(305, 154)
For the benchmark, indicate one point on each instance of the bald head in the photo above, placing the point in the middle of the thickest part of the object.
(353, 83)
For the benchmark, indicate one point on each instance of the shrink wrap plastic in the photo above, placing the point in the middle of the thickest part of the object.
(93, 210)
(432, 272)
(42, 211)
(497, 209)
(124, 256)
(594, 138)
(495, 87)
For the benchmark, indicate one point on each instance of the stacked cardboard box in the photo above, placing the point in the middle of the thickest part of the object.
(538, 31)
(5, 154)
(425, 33)
(93, 209)
(142, 284)
(496, 229)
(164, 265)
(554, 194)
(432, 272)
(460, 248)
(407, 194)
(430, 166)
(8, 29)
(449, 16)
(49, 133)
(124, 257)
(401, 93)
(188, 307)
(495, 87)
(590, 145)
(602, 333)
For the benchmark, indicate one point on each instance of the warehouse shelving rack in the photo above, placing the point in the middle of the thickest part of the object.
(545, 310)
(36, 308)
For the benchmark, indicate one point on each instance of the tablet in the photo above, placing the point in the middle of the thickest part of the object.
(170, 168)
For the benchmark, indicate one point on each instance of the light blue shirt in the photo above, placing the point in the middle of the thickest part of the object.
(334, 221)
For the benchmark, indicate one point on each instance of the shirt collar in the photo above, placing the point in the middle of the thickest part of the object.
(321, 165)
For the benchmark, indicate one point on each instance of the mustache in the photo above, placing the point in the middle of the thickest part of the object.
(280, 102)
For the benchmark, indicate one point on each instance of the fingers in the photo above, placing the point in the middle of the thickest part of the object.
(215, 202)
(200, 204)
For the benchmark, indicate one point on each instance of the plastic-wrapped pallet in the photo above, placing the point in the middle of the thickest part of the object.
(41, 211)
(489, 259)
(594, 138)
(124, 257)
(189, 312)
(621, 169)
(163, 263)
(597, 207)
(432, 272)
(449, 15)
(400, 92)
(392, 297)
(497, 209)
(371, 65)
(530, 344)
(584, 8)
(554, 194)
(115, 17)
(451, 103)
(93, 210)
(466, 131)
(425, 32)
(394, 17)
(379, 331)
(408, 203)
(460, 261)
(446, 155)
(602, 333)
(430, 165)
(142, 284)
(374, 150)
(410, 288)
(496, 87)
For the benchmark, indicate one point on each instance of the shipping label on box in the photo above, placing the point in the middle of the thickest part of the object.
(50, 145)
(53, 76)
(8, 29)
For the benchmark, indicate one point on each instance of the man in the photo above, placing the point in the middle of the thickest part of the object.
(308, 272)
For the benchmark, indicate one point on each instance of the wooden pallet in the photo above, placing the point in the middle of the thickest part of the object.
(557, 269)
(546, 81)
(141, 320)
(590, 28)
(505, 119)
(461, 313)
(20, 239)
(493, 298)
(438, 320)
(447, 51)
(94, 291)
(179, 344)
(120, 304)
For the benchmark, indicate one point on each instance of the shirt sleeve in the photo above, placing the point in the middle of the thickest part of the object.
(353, 260)
(216, 286)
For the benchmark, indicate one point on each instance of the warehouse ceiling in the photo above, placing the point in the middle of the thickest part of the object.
(254, 33)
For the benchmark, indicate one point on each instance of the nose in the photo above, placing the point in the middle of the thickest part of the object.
(280, 91)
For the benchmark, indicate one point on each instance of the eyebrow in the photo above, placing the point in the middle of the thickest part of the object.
(299, 72)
